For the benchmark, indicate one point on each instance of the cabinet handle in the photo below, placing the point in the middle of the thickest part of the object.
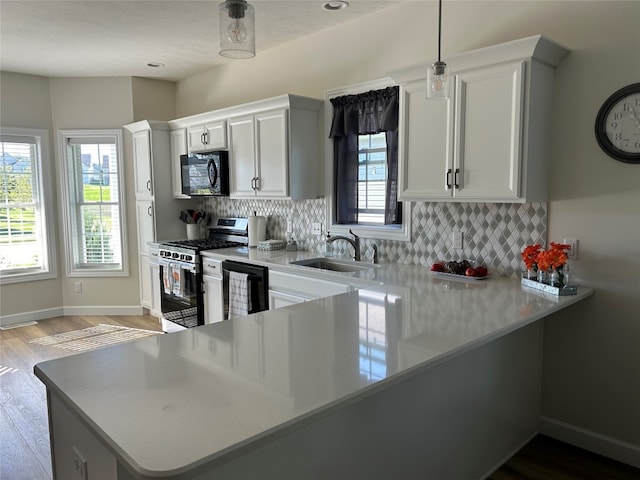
(253, 183)
(149, 211)
(448, 179)
(149, 185)
(456, 184)
(257, 183)
(203, 138)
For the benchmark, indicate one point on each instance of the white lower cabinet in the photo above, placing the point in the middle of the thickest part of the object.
(146, 287)
(213, 290)
(154, 268)
(278, 299)
(288, 289)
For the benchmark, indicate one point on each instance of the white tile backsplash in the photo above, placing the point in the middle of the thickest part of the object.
(493, 233)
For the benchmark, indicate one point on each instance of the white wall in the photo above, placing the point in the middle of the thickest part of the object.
(80, 103)
(26, 103)
(592, 353)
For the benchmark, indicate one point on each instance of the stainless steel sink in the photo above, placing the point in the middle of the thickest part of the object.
(334, 265)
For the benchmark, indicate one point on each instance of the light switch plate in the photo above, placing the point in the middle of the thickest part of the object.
(572, 253)
(456, 238)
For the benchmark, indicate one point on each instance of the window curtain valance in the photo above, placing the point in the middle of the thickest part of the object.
(365, 113)
(372, 112)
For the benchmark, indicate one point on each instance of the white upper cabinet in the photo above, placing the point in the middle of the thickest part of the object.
(258, 164)
(142, 158)
(487, 133)
(208, 136)
(274, 145)
(487, 143)
(178, 147)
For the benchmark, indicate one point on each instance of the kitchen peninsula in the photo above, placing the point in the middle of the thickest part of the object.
(405, 376)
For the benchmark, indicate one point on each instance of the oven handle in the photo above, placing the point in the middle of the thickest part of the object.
(186, 266)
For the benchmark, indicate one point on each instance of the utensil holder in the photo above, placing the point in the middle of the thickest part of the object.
(193, 231)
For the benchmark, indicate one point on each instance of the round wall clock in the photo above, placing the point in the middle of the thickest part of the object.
(618, 124)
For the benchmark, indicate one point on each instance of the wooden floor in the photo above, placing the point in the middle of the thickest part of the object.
(24, 432)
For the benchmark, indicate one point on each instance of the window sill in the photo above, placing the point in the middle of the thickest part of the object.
(10, 278)
(399, 233)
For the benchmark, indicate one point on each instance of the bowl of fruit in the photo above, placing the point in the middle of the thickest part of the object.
(466, 269)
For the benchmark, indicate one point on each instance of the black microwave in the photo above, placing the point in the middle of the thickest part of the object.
(205, 173)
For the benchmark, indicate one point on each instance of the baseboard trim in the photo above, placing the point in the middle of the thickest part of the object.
(508, 457)
(619, 450)
(34, 316)
(104, 310)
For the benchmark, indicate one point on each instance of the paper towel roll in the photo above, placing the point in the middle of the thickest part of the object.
(257, 229)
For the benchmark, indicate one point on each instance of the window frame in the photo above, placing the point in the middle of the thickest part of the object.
(400, 232)
(47, 212)
(69, 204)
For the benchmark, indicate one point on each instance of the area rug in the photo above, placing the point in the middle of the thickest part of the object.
(93, 337)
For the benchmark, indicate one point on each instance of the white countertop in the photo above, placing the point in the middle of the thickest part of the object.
(218, 389)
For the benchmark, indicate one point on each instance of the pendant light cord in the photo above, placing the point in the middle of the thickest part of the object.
(439, 26)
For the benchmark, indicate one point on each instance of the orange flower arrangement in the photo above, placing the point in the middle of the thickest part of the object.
(555, 257)
(530, 256)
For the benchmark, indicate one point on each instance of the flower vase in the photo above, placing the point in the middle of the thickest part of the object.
(542, 276)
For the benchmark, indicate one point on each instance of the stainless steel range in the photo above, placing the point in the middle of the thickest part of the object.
(181, 289)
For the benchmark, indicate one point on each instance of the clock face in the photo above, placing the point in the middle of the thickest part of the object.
(618, 125)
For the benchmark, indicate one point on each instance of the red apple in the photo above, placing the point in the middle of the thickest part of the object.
(482, 271)
(437, 267)
(470, 272)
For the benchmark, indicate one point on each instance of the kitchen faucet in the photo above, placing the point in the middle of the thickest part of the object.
(355, 243)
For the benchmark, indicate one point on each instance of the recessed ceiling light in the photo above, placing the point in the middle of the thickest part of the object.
(155, 65)
(335, 5)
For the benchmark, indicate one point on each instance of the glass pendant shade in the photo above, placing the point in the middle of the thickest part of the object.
(438, 81)
(237, 29)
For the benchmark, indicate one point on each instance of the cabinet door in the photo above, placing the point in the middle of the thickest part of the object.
(242, 154)
(216, 135)
(195, 137)
(142, 162)
(154, 269)
(272, 154)
(146, 286)
(279, 299)
(426, 149)
(488, 131)
(178, 147)
(213, 299)
(210, 136)
(145, 225)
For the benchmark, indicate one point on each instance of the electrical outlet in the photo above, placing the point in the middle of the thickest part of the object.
(456, 238)
(572, 253)
(316, 228)
(79, 465)
(78, 287)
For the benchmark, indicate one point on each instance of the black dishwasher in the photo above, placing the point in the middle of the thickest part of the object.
(252, 281)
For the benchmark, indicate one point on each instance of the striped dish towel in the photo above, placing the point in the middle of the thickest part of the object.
(238, 294)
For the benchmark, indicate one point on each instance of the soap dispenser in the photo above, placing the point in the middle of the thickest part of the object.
(328, 247)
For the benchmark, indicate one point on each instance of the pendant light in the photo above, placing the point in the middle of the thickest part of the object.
(237, 29)
(438, 78)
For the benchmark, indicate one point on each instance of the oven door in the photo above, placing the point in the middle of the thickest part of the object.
(181, 299)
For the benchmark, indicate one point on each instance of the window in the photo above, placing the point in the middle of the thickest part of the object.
(94, 211)
(372, 168)
(27, 246)
(364, 163)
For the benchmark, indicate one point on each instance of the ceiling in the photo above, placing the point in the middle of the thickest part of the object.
(87, 38)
